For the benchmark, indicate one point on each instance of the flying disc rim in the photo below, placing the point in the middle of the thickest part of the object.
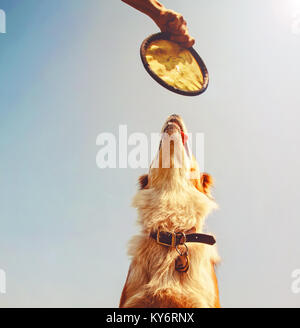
(199, 60)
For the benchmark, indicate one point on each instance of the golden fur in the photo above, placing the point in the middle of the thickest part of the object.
(172, 201)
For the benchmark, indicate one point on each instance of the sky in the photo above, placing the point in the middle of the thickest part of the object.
(71, 70)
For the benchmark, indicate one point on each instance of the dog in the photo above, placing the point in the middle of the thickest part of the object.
(168, 271)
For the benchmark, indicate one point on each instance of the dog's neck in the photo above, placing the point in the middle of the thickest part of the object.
(173, 205)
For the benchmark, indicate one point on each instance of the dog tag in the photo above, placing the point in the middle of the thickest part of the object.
(182, 263)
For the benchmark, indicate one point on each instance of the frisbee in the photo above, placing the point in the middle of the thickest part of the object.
(178, 69)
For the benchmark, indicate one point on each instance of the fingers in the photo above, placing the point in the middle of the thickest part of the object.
(185, 41)
(177, 27)
(177, 22)
(174, 23)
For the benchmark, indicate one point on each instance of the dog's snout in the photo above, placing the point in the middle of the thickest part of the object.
(172, 128)
(175, 116)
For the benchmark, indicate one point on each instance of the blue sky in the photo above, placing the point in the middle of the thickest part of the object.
(70, 70)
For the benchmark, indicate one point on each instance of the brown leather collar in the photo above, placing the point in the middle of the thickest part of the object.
(179, 238)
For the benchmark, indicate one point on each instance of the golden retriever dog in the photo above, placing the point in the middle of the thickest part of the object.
(173, 261)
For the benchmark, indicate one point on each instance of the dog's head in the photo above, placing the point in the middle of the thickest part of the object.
(174, 164)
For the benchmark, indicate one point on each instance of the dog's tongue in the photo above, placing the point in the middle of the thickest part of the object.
(184, 137)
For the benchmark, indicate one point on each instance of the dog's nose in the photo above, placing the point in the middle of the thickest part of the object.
(176, 117)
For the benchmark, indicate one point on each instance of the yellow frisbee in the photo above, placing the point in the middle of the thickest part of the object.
(176, 68)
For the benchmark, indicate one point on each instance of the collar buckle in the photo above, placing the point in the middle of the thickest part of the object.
(173, 242)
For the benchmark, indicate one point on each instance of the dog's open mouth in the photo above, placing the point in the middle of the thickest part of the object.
(174, 123)
(174, 150)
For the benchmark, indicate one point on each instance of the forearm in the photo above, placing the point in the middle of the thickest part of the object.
(151, 8)
(167, 20)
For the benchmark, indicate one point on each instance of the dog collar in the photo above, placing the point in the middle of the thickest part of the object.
(179, 238)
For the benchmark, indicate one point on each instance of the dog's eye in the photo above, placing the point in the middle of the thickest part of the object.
(143, 181)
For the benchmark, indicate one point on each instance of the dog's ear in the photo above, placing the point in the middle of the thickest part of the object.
(206, 182)
(143, 181)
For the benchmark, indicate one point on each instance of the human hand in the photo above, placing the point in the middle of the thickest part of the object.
(174, 23)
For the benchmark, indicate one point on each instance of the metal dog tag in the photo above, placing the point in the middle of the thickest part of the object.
(182, 263)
